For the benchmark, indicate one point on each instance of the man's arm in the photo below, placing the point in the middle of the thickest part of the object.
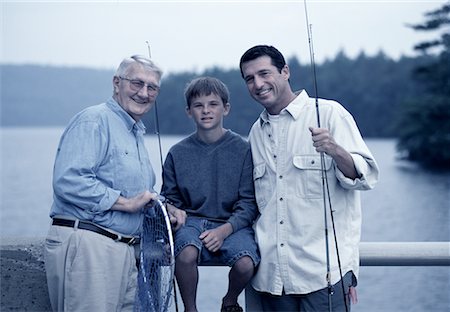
(133, 204)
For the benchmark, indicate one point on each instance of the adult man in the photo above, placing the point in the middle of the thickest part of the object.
(102, 180)
(285, 142)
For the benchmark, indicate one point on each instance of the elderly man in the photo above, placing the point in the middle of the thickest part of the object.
(102, 180)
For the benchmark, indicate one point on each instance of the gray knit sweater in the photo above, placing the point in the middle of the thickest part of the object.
(213, 181)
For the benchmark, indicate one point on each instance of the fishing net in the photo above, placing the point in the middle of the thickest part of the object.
(157, 262)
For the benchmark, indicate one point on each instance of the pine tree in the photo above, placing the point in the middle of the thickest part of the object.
(424, 127)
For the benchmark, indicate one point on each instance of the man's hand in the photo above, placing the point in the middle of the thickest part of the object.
(213, 239)
(352, 295)
(177, 216)
(134, 204)
(324, 142)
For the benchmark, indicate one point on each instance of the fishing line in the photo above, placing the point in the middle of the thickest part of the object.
(325, 188)
(158, 133)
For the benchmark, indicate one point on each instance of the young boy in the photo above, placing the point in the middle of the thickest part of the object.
(209, 176)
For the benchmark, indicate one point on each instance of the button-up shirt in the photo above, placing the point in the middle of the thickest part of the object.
(101, 155)
(287, 174)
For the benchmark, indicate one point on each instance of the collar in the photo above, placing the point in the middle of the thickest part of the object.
(293, 109)
(129, 122)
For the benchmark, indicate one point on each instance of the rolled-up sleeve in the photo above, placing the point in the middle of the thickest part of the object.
(367, 170)
(81, 153)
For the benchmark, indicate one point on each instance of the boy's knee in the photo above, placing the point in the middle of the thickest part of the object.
(188, 255)
(244, 265)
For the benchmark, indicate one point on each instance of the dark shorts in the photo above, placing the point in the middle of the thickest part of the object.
(237, 245)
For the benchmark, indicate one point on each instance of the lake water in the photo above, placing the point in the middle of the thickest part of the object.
(408, 204)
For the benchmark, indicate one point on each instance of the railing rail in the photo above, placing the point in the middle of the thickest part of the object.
(404, 253)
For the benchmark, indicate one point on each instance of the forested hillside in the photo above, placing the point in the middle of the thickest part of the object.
(372, 88)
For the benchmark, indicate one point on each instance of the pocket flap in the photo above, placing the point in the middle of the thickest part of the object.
(311, 162)
(258, 171)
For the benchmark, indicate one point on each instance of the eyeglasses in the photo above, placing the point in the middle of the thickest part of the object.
(136, 85)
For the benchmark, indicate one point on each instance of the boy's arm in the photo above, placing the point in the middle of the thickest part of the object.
(245, 209)
(169, 190)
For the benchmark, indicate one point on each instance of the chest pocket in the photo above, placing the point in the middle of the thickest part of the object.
(309, 175)
(128, 170)
(262, 185)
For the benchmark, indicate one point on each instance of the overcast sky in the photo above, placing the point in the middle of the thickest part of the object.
(194, 35)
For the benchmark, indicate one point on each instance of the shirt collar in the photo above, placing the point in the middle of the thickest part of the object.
(293, 109)
(130, 123)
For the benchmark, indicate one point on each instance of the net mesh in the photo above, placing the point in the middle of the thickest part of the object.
(156, 261)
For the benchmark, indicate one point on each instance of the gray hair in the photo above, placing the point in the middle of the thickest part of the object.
(122, 70)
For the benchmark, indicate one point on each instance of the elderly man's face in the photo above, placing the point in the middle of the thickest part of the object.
(136, 91)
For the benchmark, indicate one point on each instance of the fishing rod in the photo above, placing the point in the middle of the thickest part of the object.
(157, 131)
(156, 118)
(325, 188)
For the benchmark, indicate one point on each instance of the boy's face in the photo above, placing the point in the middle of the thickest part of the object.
(208, 111)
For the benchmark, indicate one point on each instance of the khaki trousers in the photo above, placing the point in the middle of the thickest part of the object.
(87, 271)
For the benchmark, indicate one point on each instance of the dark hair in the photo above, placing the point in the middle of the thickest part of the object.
(276, 57)
(206, 86)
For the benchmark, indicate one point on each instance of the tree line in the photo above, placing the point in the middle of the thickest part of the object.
(372, 88)
(407, 99)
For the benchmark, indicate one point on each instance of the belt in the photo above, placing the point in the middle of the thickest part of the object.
(84, 225)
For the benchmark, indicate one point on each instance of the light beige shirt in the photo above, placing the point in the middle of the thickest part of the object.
(287, 175)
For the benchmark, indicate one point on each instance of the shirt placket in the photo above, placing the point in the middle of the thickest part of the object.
(139, 147)
(281, 203)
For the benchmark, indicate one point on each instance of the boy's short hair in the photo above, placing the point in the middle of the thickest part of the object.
(206, 86)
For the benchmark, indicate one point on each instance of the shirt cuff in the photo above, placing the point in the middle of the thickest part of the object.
(107, 201)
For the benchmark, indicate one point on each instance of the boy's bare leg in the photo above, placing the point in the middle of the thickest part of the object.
(239, 276)
(186, 271)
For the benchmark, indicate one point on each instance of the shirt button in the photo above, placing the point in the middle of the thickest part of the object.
(274, 156)
(312, 162)
(281, 177)
(281, 198)
(281, 244)
(281, 222)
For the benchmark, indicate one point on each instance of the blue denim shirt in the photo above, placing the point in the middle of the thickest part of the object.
(101, 155)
